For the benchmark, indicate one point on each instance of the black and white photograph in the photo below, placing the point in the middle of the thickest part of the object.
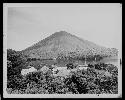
(62, 50)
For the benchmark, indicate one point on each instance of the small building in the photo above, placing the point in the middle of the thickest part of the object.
(58, 69)
(62, 73)
(53, 66)
(82, 67)
(55, 70)
(28, 70)
(74, 70)
(44, 69)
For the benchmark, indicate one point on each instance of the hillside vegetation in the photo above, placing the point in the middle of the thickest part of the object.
(97, 79)
(63, 45)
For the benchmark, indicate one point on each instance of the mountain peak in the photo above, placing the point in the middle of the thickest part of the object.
(61, 33)
(64, 43)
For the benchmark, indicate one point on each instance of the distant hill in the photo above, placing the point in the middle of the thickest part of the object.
(63, 44)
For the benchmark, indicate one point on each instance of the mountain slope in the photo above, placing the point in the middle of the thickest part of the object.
(63, 44)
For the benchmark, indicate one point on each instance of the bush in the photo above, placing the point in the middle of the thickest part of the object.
(70, 66)
(90, 66)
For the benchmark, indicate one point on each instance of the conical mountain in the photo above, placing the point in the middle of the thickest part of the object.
(64, 44)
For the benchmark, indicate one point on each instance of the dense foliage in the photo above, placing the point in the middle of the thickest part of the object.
(97, 79)
(15, 63)
(80, 82)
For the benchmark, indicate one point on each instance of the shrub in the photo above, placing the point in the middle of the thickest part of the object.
(90, 66)
(70, 66)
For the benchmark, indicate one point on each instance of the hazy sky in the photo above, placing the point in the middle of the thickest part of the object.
(99, 23)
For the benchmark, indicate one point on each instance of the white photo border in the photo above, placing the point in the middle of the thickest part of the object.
(6, 95)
